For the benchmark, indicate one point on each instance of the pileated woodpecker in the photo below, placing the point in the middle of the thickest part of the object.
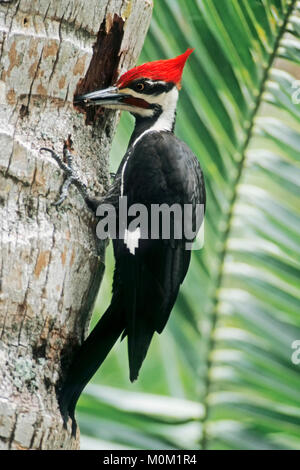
(157, 168)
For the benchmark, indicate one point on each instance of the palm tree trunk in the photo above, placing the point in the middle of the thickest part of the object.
(51, 263)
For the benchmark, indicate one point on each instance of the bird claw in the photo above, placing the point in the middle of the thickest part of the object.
(70, 173)
(64, 191)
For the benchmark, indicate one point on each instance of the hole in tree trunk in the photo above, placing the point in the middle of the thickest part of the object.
(103, 68)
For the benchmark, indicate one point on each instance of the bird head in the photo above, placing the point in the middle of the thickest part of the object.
(145, 90)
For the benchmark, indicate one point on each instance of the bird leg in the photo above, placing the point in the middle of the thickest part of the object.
(66, 164)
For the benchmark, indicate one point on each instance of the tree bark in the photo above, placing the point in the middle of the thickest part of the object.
(51, 263)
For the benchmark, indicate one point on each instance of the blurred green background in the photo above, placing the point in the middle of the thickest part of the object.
(221, 375)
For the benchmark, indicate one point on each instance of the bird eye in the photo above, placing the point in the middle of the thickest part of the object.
(140, 86)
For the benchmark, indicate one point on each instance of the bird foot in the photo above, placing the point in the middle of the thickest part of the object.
(66, 164)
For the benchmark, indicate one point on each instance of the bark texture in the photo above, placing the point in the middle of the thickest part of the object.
(51, 263)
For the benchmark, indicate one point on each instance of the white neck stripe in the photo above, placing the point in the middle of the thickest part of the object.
(163, 123)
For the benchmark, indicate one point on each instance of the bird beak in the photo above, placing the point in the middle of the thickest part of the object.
(107, 97)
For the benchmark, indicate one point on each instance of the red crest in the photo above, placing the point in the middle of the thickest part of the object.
(169, 70)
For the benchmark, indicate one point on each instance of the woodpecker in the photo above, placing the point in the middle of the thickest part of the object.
(157, 168)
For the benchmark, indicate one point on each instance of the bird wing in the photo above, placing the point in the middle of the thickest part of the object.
(161, 169)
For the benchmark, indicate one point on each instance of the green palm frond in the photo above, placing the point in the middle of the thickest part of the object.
(228, 345)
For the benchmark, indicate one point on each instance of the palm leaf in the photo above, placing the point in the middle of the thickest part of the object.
(231, 333)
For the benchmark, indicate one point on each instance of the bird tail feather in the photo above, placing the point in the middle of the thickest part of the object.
(90, 356)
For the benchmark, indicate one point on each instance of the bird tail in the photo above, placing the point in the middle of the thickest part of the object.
(143, 296)
(89, 358)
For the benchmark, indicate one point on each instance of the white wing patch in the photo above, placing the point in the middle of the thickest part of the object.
(131, 239)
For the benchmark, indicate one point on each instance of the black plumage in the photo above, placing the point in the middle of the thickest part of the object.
(157, 168)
